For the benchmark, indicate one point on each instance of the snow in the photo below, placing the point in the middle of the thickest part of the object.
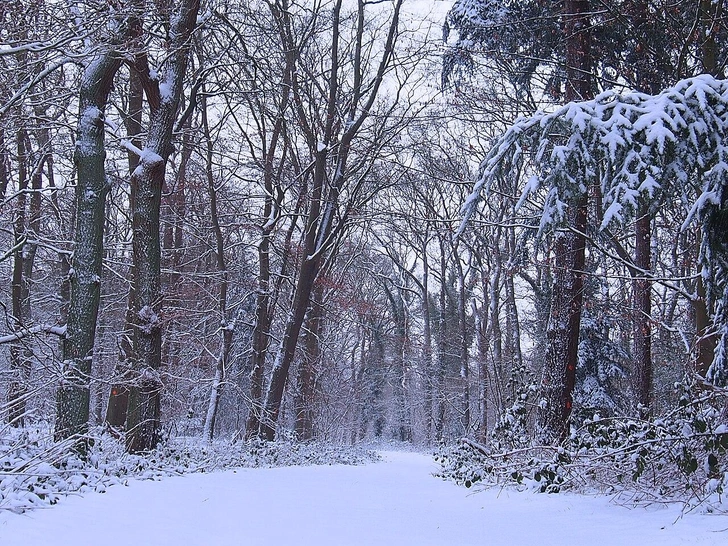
(647, 147)
(394, 502)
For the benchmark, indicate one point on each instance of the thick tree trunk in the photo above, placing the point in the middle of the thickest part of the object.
(284, 359)
(716, 230)
(91, 190)
(559, 376)
(261, 337)
(304, 402)
(404, 429)
(143, 419)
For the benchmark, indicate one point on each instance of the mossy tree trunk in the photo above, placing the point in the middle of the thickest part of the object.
(91, 191)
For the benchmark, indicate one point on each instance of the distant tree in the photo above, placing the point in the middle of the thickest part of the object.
(339, 168)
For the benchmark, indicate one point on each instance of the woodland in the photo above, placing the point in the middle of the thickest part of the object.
(498, 229)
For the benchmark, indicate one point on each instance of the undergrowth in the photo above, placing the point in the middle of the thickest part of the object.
(37, 472)
(681, 456)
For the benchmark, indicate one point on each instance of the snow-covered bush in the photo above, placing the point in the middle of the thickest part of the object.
(35, 471)
(512, 428)
(683, 455)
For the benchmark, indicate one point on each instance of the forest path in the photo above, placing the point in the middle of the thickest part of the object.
(395, 502)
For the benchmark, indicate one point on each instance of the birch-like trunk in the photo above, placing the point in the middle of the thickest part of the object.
(227, 325)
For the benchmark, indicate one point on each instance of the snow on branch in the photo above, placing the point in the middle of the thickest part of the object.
(25, 332)
(636, 146)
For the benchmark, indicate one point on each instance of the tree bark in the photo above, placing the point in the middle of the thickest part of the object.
(91, 189)
(143, 418)
(559, 375)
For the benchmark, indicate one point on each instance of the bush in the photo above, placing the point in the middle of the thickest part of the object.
(35, 471)
(682, 455)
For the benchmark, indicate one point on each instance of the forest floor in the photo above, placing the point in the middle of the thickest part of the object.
(397, 501)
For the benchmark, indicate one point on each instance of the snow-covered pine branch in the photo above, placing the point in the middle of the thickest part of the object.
(634, 145)
(636, 148)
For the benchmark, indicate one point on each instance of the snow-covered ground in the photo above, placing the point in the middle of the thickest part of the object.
(395, 502)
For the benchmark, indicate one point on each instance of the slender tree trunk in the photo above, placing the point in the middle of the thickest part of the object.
(263, 304)
(119, 391)
(427, 343)
(19, 361)
(4, 165)
(642, 297)
(495, 336)
(325, 224)
(513, 326)
(647, 82)
(227, 325)
(442, 332)
(464, 346)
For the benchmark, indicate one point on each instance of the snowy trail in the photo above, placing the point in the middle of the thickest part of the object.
(396, 502)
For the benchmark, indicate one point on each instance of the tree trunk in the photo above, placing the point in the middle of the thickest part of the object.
(307, 371)
(559, 376)
(325, 222)
(642, 297)
(442, 331)
(227, 326)
(464, 346)
(143, 419)
(427, 342)
(716, 230)
(119, 391)
(91, 189)
(19, 357)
